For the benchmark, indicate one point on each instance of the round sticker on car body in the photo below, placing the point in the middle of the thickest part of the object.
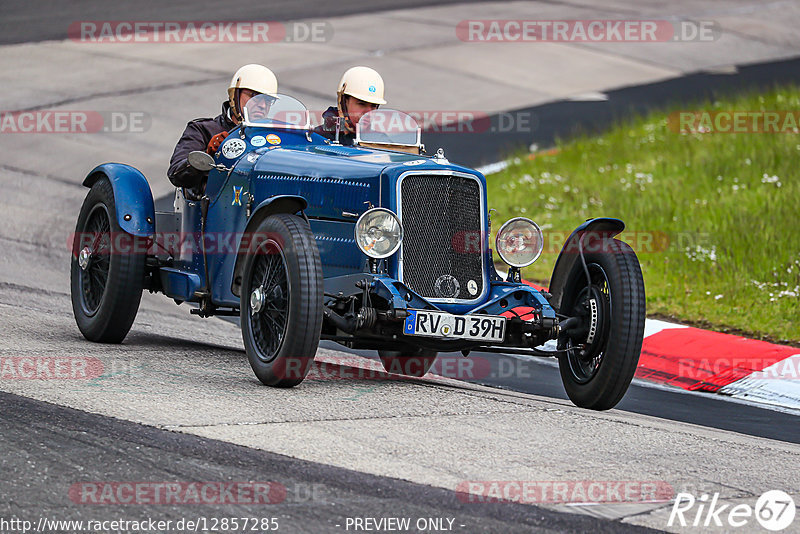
(258, 140)
(233, 148)
(472, 287)
(273, 139)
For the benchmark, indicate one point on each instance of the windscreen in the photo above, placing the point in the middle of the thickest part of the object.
(280, 111)
(388, 126)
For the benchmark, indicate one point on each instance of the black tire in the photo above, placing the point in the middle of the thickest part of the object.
(598, 376)
(281, 334)
(105, 294)
(411, 361)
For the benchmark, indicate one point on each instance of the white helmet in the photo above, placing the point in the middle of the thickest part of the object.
(363, 83)
(254, 77)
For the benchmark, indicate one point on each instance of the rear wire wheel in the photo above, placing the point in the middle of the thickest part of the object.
(107, 269)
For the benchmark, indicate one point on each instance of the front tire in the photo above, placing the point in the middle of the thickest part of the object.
(107, 269)
(612, 313)
(281, 301)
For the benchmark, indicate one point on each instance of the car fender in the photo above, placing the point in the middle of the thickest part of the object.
(135, 208)
(278, 204)
(604, 227)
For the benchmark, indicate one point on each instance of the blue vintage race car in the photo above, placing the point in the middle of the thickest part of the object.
(375, 246)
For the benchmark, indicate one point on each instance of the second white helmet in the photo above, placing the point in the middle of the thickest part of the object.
(363, 83)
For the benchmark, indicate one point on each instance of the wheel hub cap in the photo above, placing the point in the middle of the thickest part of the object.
(257, 300)
(84, 258)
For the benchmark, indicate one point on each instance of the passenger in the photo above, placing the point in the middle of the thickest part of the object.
(208, 134)
(360, 91)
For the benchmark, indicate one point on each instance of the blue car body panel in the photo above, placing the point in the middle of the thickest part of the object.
(134, 200)
(601, 227)
(178, 284)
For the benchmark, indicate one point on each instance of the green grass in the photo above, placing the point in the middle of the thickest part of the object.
(727, 204)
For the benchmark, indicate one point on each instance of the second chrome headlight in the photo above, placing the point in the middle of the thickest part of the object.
(519, 242)
(378, 233)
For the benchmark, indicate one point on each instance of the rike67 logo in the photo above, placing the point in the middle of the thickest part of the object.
(774, 510)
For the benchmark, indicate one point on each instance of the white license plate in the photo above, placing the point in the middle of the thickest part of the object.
(449, 326)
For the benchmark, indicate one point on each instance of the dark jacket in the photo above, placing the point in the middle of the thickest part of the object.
(196, 137)
(328, 127)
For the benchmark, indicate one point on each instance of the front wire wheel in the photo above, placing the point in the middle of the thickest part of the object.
(269, 302)
(603, 350)
(281, 301)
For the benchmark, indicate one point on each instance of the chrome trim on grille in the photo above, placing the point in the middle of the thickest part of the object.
(484, 275)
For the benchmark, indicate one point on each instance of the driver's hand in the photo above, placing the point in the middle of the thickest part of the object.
(217, 140)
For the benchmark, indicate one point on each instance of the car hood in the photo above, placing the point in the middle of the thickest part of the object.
(333, 161)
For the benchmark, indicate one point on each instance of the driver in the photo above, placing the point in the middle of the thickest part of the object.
(360, 91)
(208, 134)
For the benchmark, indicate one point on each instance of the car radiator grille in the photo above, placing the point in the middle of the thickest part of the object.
(441, 216)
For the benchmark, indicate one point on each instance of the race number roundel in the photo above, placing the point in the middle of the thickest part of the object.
(233, 148)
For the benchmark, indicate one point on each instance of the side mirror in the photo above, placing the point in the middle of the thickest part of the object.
(201, 160)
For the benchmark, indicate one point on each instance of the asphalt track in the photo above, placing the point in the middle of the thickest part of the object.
(42, 20)
(541, 377)
(46, 448)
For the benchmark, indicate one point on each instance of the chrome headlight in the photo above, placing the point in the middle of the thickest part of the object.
(519, 242)
(378, 233)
